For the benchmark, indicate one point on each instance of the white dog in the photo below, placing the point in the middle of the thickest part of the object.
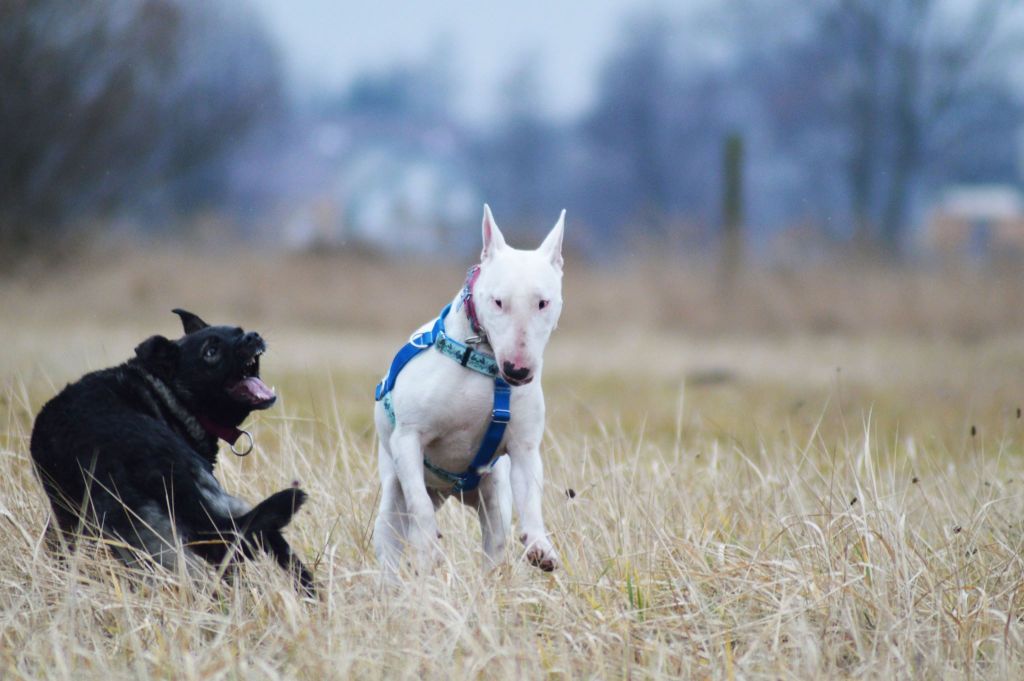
(442, 409)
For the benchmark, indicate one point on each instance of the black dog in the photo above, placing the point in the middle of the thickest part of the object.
(129, 452)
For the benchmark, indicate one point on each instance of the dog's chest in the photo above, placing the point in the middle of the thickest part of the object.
(450, 405)
(458, 433)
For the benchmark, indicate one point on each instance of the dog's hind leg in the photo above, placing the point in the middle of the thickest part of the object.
(153, 532)
(146, 537)
(391, 526)
(61, 535)
(494, 508)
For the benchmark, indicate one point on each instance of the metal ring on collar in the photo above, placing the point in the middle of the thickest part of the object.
(247, 450)
(416, 340)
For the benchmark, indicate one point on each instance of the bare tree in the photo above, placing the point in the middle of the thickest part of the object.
(888, 79)
(108, 101)
(519, 161)
(627, 125)
(654, 135)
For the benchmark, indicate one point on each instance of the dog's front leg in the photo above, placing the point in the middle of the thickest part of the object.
(407, 457)
(527, 486)
(391, 527)
(494, 508)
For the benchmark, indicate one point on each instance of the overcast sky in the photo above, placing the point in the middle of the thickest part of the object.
(326, 42)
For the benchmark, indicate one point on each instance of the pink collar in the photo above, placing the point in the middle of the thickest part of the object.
(229, 434)
(467, 300)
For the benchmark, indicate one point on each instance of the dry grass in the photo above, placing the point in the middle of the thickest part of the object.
(807, 501)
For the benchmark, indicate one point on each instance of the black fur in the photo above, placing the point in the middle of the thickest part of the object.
(129, 451)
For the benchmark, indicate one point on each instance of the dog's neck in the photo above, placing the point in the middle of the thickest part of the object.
(167, 404)
(457, 325)
(229, 434)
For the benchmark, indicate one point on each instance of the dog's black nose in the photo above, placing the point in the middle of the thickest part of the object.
(515, 373)
(251, 342)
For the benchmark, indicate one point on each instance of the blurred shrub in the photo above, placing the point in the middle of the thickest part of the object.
(110, 105)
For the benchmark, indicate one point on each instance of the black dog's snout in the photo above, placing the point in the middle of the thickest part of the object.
(516, 374)
(251, 342)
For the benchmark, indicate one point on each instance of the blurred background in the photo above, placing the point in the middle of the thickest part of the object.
(793, 329)
(784, 131)
(823, 167)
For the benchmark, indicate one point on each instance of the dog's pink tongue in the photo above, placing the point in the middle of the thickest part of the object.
(252, 390)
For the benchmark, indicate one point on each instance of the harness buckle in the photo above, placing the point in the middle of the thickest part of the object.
(500, 415)
(419, 340)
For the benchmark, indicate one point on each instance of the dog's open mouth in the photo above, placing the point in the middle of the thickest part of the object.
(250, 389)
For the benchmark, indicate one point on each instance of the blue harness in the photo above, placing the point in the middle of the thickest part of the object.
(465, 355)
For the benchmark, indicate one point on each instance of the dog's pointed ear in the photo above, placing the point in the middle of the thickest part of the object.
(191, 322)
(158, 355)
(552, 245)
(493, 240)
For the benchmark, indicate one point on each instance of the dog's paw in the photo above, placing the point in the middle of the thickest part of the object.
(540, 553)
(546, 561)
(426, 550)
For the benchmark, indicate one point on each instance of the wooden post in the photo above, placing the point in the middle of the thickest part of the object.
(732, 210)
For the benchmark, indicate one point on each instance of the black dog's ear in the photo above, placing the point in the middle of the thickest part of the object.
(191, 322)
(159, 355)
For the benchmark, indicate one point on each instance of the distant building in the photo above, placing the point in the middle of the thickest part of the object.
(394, 187)
(405, 200)
(980, 221)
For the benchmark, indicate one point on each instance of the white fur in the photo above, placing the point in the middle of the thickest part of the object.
(443, 409)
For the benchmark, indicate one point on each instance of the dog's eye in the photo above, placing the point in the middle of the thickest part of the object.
(211, 352)
(542, 304)
(497, 301)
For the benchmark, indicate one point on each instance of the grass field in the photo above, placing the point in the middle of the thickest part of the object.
(820, 478)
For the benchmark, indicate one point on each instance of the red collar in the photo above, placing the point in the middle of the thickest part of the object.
(467, 299)
(229, 434)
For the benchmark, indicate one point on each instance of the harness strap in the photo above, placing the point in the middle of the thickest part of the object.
(470, 358)
(417, 344)
(487, 454)
(485, 457)
(464, 354)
